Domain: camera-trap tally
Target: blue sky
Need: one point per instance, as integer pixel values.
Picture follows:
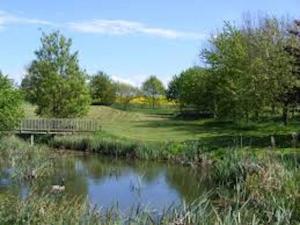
(127, 39)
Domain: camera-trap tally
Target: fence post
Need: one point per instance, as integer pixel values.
(32, 139)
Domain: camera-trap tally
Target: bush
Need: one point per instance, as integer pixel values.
(10, 105)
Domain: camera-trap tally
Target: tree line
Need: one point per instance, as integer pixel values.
(248, 70)
(105, 91)
(57, 85)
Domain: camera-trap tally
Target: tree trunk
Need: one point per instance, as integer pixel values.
(285, 112)
(293, 112)
(247, 117)
(256, 114)
(215, 109)
(153, 103)
(273, 109)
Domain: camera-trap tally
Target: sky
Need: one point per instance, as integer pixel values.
(129, 40)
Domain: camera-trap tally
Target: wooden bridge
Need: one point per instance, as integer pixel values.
(57, 126)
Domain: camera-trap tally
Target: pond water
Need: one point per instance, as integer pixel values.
(110, 182)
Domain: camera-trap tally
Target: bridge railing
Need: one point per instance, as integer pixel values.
(58, 125)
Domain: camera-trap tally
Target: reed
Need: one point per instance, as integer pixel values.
(183, 152)
(24, 160)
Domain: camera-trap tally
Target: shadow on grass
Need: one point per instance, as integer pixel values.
(147, 110)
(196, 127)
(219, 134)
(230, 141)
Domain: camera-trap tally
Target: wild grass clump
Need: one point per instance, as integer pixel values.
(266, 186)
(25, 161)
(109, 145)
(46, 209)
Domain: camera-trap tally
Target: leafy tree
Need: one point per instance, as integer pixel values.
(126, 93)
(196, 89)
(54, 80)
(250, 66)
(103, 89)
(193, 87)
(173, 90)
(153, 88)
(27, 89)
(10, 104)
(275, 69)
(292, 97)
(277, 66)
(229, 63)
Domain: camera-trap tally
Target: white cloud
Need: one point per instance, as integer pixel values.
(111, 27)
(124, 80)
(124, 27)
(8, 19)
(137, 80)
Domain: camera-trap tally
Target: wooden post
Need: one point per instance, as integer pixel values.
(32, 139)
(273, 142)
(294, 139)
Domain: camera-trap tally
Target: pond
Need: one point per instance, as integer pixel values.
(109, 182)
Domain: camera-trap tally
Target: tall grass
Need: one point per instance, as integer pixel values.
(198, 152)
(46, 209)
(183, 152)
(25, 160)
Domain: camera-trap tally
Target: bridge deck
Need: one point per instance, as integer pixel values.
(57, 126)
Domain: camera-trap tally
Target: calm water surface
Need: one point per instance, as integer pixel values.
(109, 182)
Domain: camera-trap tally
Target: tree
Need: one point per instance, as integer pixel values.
(173, 90)
(103, 89)
(193, 88)
(10, 104)
(278, 64)
(292, 97)
(250, 67)
(229, 62)
(27, 89)
(153, 89)
(126, 93)
(54, 80)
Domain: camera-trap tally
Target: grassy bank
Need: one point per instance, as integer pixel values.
(195, 153)
(162, 125)
(249, 189)
(121, 147)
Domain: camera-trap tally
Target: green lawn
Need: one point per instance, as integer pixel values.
(162, 126)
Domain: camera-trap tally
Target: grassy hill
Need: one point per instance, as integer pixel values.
(162, 126)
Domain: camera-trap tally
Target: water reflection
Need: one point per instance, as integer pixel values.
(108, 182)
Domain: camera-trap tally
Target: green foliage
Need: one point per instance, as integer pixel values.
(10, 104)
(153, 88)
(291, 98)
(103, 89)
(55, 82)
(173, 90)
(126, 93)
(193, 88)
(250, 67)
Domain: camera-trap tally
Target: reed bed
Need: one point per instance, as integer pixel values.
(183, 152)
